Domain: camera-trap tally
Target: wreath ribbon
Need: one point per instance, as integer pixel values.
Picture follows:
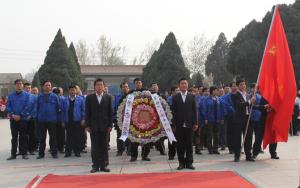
(163, 118)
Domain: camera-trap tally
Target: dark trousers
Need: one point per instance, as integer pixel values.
(272, 149)
(32, 140)
(134, 150)
(237, 130)
(60, 136)
(172, 149)
(293, 128)
(196, 139)
(202, 138)
(120, 143)
(51, 128)
(184, 137)
(160, 146)
(212, 140)
(82, 138)
(72, 141)
(223, 134)
(229, 133)
(258, 129)
(19, 136)
(99, 149)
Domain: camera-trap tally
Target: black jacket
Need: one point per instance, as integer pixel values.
(184, 112)
(240, 106)
(98, 116)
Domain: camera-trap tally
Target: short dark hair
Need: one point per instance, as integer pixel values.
(18, 80)
(56, 90)
(98, 80)
(240, 81)
(253, 85)
(27, 84)
(204, 89)
(173, 88)
(136, 80)
(72, 87)
(231, 84)
(45, 82)
(123, 83)
(212, 88)
(182, 79)
(152, 83)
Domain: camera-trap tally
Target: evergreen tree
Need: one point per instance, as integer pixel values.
(246, 50)
(59, 66)
(76, 71)
(216, 61)
(166, 66)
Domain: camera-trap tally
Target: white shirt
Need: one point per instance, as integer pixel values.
(99, 97)
(244, 94)
(183, 96)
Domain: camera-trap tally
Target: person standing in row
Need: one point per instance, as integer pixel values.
(98, 116)
(48, 114)
(17, 109)
(32, 140)
(213, 119)
(241, 102)
(184, 123)
(118, 100)
(73, 110)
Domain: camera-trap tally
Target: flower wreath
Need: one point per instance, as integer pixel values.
(145, 125)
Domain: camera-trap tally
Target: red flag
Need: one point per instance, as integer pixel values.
(277, 83)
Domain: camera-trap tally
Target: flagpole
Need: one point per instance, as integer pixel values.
(255, 91)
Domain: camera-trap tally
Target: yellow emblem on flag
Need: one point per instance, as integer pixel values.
(273, 50)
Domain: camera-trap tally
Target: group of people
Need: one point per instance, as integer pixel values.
(214, 118)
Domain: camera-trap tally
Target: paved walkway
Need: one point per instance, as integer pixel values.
(263, 173)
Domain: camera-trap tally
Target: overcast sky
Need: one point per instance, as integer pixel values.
(29, 26)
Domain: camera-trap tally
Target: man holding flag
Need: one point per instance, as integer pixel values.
(277, 84)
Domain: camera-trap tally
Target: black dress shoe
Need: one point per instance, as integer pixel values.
(274, 157)
(12, 157)
(223, 148)
(146, 159)
(40, 157)
(216, 152)
(180, 167)
(198, 152)
(54, 156)
(31, 153)
(84, 151)
(104, 169)
(190, 166)
(162, 153)
(210, 152)
(254, 156)
(132, 159)
(77, 155)
(237, 159)
(171, 158)
(94, 170)
(67, 155)
(250, 159)
(25, 157)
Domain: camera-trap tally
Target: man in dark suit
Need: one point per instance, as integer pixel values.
(241, 103)
(184, 122)
(99, 124)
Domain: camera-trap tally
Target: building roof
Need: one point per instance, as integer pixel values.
(111, 69)
(9, 78)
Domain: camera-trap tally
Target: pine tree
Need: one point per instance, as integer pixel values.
(76, 71)
(59, 66)
(216, 61)
(166, 66)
